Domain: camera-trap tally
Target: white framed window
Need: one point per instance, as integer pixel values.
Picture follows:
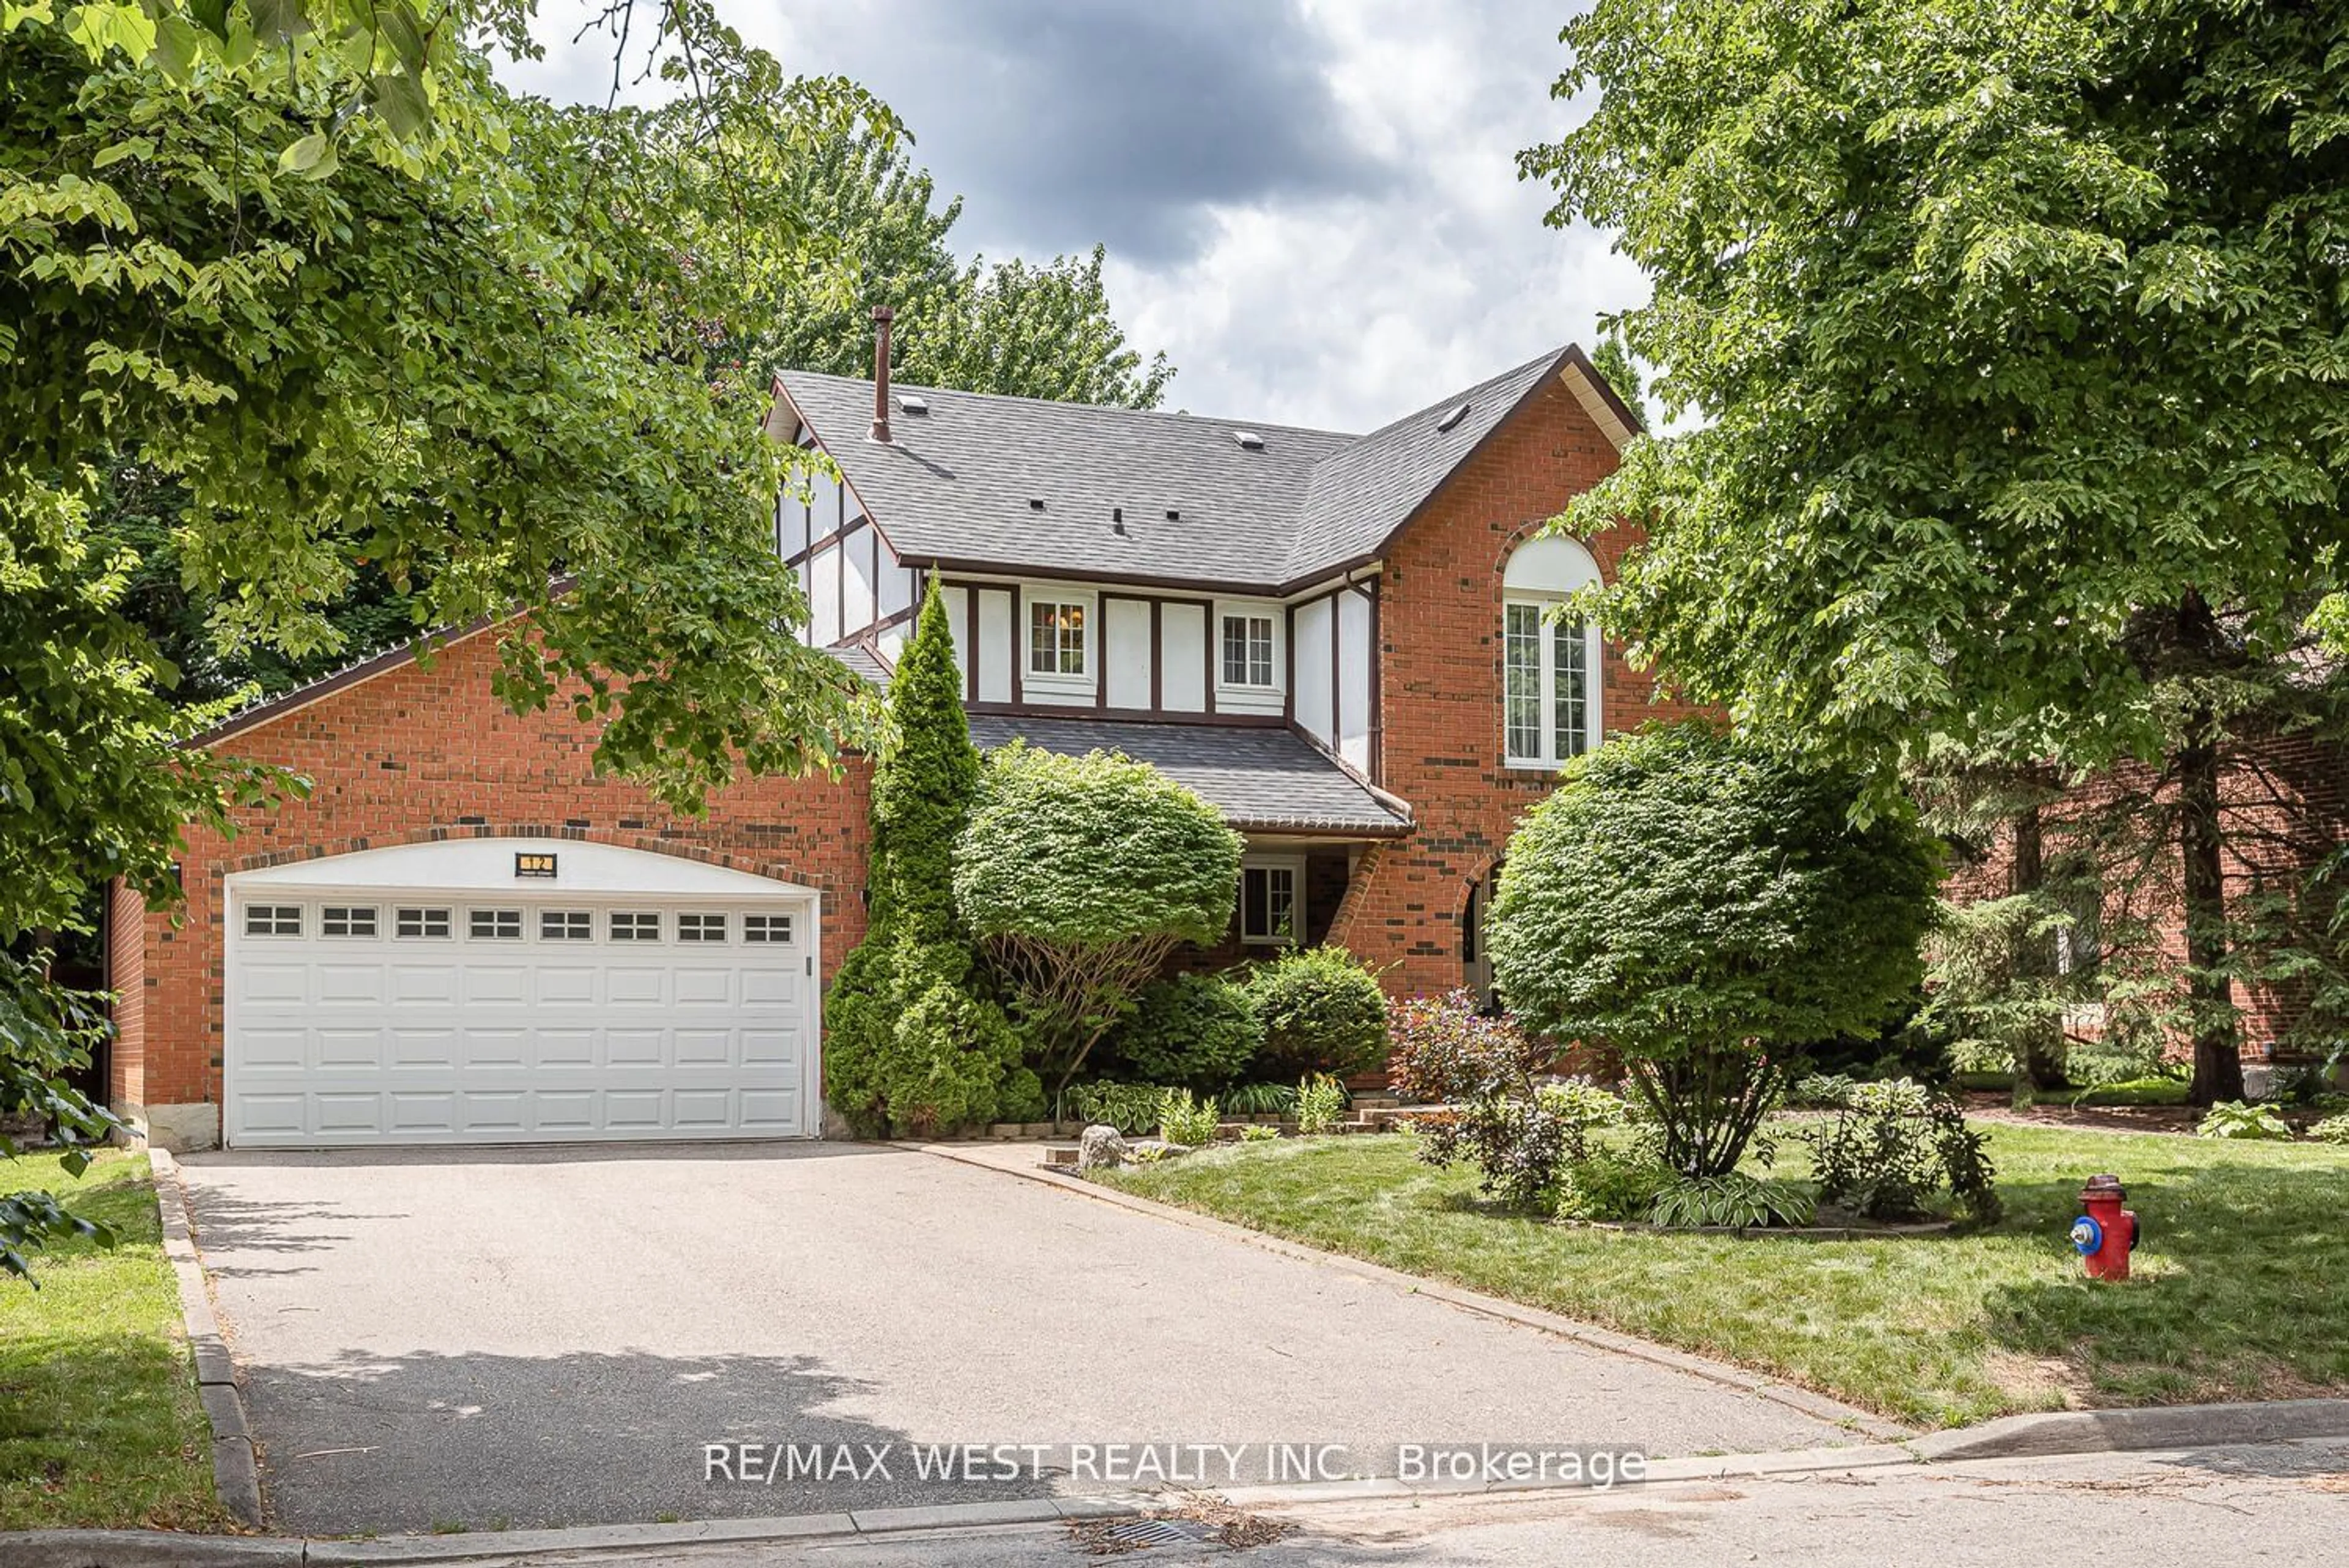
(1550, 661)
(1060, 638)
(1248, 645)
(766, 928)
(493, 925)
(272, 919)
(1272, 899)
(693, 928)
(347, 920)
(428, 924)
(636, 926)
(565, 926)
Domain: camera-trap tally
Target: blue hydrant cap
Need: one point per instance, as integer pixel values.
(2086, 1235)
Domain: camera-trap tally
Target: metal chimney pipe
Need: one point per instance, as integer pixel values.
(882, 317)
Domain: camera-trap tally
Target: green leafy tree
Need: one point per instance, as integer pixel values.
(368, 311)
(1028, 331)
(1081, 875)
(1704, 906)
(914, 1043)
(2015, 332)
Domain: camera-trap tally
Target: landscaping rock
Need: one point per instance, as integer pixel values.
(1100, 1147)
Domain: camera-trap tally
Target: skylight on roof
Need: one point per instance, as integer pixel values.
(1453, 416)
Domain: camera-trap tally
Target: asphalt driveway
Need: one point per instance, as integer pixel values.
(531, 1338)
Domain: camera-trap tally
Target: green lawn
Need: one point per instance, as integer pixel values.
(2241, 1287)
(100, 1422)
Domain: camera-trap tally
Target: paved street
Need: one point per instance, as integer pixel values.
(2281, 1503)
(536, 1337)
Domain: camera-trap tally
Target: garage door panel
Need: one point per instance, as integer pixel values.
(413, 1113)
(633, 1047)
(422, 1047)
(263, 983)
(347, 1113)
(497, 1047)
(416, 1035)
(766, 1108)
(567, 1047)
(566, 986)
(359, 1047)
(424, 984)
(769, 1047)
(701, 1110)
(634, 1110)
(275, 1049)
(705, 987)
(704, 1047)
(494, 984)
(495, 1111)
(635, 987)
(567, 1111)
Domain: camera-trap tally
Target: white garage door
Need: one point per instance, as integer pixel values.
(503, 990)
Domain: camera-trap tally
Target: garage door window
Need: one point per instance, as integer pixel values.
(493, 925)
(766, 928)
(347, 920)
(701, 928)
(565, 926)
(273, 920)
(419, 922)
(636, 926)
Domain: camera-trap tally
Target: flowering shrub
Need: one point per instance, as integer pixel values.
(1443, 1049)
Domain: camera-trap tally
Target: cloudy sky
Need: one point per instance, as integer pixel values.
(1311, 205)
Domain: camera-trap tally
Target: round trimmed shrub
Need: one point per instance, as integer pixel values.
(1196, 1030)
(1322, 1013)
(1703, 906)
(1081, 875)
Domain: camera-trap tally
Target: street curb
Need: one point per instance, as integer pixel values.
(1819, 1406)
(236, 1467)
(2177, 1427)
(2120, 1431)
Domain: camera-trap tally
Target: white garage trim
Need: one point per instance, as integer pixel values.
(451, 992)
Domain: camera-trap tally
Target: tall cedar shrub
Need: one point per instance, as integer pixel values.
(914, 1042)
(1322, 1013)
(1706, 907)
(1081, 875)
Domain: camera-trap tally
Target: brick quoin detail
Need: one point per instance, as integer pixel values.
(1440, 686)
(417, 754)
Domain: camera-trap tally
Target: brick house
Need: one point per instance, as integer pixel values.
(1340, 640)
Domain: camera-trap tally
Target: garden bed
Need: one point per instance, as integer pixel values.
(2237, 1295)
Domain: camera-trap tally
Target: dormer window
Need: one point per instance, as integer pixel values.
(1057, 638)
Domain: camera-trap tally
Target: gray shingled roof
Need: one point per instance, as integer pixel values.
(1262, 779)
(957, 484)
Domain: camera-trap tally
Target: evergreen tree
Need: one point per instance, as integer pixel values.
(914, 1043)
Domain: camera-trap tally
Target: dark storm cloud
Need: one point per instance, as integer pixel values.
(1070, 121)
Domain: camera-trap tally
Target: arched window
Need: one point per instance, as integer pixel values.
(1549, 665)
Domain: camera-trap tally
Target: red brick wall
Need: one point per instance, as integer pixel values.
(417, 754)
(1440, 687)
(126, 966)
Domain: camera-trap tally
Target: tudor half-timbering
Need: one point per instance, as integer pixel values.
(1342, 641)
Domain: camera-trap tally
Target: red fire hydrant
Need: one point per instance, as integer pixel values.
(2106, 1234)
